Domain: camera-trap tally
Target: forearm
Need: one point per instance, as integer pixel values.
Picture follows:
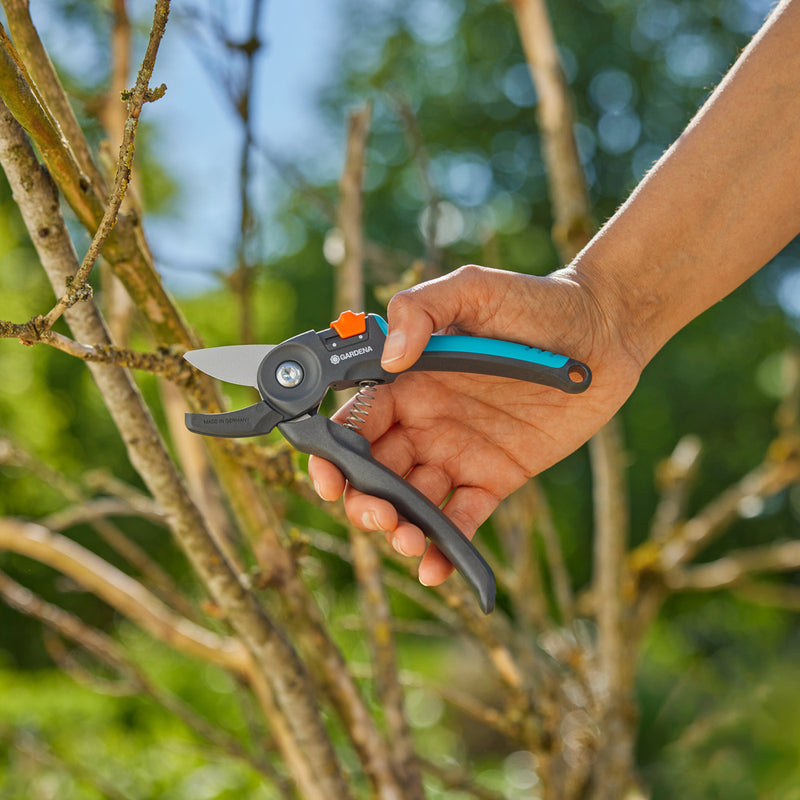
(719, 204)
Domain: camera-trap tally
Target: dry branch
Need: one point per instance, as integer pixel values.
(377, 617)
(736, 567)
(572, 229)
(349, 274)
(688, 539)
(272, 653)
(675, 476)
(53, 97)
(119, 590)
(573, 224)
(405, 776)
(611, 536)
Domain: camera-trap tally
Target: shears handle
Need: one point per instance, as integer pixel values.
(350, 452)
(481, 356)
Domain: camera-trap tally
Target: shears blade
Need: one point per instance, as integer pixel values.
(236, 363)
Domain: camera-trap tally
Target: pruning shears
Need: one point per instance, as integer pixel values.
(294, 376)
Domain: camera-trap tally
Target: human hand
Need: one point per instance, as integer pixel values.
(473, 439)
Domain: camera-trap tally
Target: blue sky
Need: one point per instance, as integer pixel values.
(200, 144)
(195, 137)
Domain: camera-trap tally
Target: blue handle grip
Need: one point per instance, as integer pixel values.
(476, 354)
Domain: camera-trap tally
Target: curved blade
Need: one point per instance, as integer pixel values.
(236, 363)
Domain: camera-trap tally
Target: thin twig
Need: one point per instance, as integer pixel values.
(715, 518)
(674, 477)
(737, 566)
(377, 617)
(419, 152)
(165, 362)
(122, 592)
(77, 288)
(514, 521)
(96, 509)
(244, 276)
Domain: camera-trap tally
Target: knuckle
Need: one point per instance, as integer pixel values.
(469, 274)
(399, 303)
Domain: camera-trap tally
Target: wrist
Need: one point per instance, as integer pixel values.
(627, 321)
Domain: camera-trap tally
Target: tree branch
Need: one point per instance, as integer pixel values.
(164, 362)
(573, 225)
(136, 98)
(378, 620)
(119, 590)
(611, 536)
(53, 97)
(273, 655)
(736, 567)
(780, 469)
(674, 477)
(242, 279)
(349, 273)
(514, 519)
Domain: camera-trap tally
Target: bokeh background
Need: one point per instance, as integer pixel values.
(453, 140)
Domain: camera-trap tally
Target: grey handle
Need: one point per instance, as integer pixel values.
(350, 452)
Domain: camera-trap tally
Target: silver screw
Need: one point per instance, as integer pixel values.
(289, 374)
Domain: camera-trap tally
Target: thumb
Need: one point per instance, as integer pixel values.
(416, 313)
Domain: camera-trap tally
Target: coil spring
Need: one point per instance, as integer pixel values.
(362, 403)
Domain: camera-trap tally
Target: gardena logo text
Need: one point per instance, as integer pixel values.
(335, 359)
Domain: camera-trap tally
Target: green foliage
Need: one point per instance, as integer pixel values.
(61, 739)
(716, 687)
(719, 721)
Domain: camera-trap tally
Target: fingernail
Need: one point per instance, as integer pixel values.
(394, 348)
(317, 489)
(422, 580)
(396, 544)
(369, 520)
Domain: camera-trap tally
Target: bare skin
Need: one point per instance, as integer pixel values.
(719, 204)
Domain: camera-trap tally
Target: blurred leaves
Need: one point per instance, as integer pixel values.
(718, 696)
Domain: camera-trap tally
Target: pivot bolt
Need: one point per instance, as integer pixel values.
(289, 374)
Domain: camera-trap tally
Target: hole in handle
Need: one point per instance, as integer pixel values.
(578, 373)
